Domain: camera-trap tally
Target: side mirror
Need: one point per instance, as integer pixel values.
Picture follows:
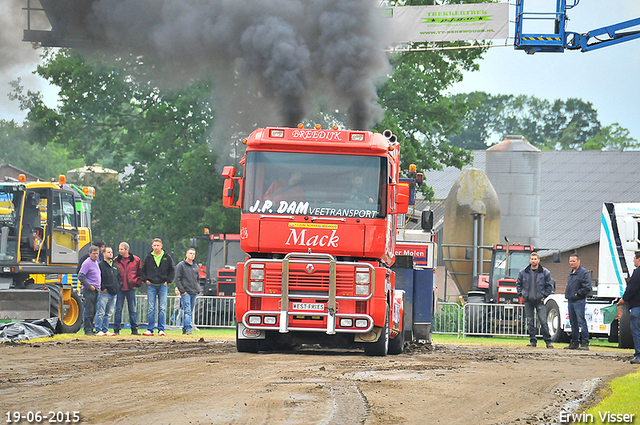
(427, 220)
(228, 171)
(402, 199)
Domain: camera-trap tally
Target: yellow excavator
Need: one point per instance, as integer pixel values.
(43, 227)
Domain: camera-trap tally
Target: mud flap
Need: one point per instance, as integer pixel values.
(246, 333)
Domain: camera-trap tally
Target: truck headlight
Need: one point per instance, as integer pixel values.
(256, 286)
(257, 274)
(362, 277)
(362, 289)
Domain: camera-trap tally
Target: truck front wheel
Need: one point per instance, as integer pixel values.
(553, 321)
(381, 346)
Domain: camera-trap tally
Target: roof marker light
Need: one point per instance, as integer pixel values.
(356, 137)
(276, 133)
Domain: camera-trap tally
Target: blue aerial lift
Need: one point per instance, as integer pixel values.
(559, 39)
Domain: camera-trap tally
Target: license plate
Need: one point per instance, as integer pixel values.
(307, 306)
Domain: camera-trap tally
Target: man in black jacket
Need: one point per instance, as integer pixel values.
(578, 287)
(534, 284)
(631, 297)
(107, 297)
(157, 272)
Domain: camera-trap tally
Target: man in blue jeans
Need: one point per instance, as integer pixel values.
(130, 268)
(578, 287)
(188, 284)
(110, 276)
(631, 297)
(157, 272)
(534, 284)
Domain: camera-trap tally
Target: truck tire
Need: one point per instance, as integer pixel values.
(625, 339)
(72, 321)
(381, 346)
(247, 345)
(396, 345)
(553, 321)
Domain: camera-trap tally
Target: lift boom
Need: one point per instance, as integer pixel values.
(559, 39)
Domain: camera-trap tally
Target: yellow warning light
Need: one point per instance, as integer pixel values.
(318, 127)
(335, 127)
(62, 179)
(244, 141)
(206, 230)
(22, 178)
(300, 126)
(412, 168)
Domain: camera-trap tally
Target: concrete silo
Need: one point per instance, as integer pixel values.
(472, 218)
(514, 168)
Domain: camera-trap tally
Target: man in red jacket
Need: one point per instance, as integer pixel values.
(130, 268)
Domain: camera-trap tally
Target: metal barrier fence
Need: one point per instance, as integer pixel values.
(480, 319)
(209, 312)
(448, 319)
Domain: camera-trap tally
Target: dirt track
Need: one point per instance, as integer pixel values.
(165, 381)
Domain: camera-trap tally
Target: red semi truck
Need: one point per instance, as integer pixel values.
(319, 212)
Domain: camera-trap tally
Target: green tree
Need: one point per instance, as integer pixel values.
(46, 161)
(417, 108)
(158, 139)
(561, 124)
(611, 138)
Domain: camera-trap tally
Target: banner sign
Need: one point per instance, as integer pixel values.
(480, 21)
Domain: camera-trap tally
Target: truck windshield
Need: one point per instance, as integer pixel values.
(224, 253)
(315, 184)
(9, 202)
(518, 260)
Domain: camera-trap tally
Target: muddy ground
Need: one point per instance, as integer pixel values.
(172, 381)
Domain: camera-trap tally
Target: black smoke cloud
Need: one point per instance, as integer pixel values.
(286, 53)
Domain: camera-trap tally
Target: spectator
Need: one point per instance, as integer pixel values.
(534, 284)
(578, 287)
(100, 244)
(110, 276)
(157, 272)
(178, 314)
(90, 278)
(130, 268)
(631, 297)
(188, 284)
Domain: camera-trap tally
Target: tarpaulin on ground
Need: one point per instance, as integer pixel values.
(24, 331)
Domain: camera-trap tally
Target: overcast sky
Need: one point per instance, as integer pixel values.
(608, 77)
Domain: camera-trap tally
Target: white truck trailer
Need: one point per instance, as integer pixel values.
(619, 240)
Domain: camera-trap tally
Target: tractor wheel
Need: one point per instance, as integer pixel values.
(72, 321)
(553, 322)
(381, 346)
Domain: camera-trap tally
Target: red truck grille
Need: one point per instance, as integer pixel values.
(302, 282)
